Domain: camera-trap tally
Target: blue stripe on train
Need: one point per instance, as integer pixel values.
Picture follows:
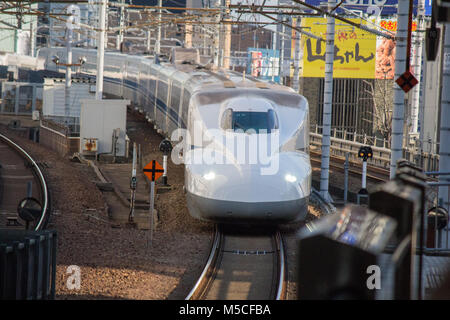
(173, 115)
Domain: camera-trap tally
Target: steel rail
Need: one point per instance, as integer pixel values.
(42, 181)
(201, 287)
(281, 289)
(203, 281)
(326, 206)
(337, 162)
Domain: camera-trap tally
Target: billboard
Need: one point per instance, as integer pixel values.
(375, 7)
(263, 63)
(354, 50)
(385, 58)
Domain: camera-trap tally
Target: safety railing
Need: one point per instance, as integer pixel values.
(28, 265)
(343, 142)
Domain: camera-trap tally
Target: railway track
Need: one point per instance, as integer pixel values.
(247, 265)
(20, 177)
(337, 163)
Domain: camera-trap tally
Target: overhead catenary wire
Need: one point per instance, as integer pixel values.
(255, 8)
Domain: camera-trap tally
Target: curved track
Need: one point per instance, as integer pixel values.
(325, 206)
(18, 170)
(247, 265)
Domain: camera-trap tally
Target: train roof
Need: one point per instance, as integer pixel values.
(193, 75)
(208, 78)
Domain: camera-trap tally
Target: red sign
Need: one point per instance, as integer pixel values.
(153, 170)
(406, 81)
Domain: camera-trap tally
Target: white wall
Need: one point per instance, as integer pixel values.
(429, 119)
(54, 97)
(98, 120)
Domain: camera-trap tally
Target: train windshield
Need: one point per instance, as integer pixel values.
(249, 120)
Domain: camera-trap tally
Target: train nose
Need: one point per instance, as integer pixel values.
(244, 192)
(250, 185)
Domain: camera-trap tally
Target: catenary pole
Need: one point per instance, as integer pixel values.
(158, 33)
(101, 50)
(281, 72)
(295, 76)
(217, 37)
(444, 146)
(227, 38)
(327, 105)
(417, 65)
(68, 71)
(399, 94)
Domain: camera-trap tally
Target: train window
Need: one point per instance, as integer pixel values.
(185, 106)
(249, 120)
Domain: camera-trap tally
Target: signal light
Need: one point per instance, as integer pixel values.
(441, 10)
(432, 42)
(365, 152)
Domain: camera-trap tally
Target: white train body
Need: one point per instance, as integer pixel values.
(232, 174)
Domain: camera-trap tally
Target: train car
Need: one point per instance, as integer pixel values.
(244, 142)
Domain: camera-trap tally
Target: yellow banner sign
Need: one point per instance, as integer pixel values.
(354, 50)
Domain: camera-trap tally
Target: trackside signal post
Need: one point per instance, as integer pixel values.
(165, 147)
(364, 153)
(153, 171)
(133, 185)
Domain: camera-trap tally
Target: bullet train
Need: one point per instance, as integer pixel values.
(244, 142)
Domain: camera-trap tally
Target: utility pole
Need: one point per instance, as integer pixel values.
(283, 30)
(204, 44)
(73, 22)
(68, 84)
(121, 24)
(444, 146)
(295, 76)
(227, 40)
(50, 25)
(149, 34)
(33, 34)
(101, 49)
(158, 34)
(92, 12)
(417, 64)
(327, 105)
(188, 35)
(217, 36)
(399, 94)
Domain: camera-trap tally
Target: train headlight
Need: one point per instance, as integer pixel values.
(290, 178)
(209, 176)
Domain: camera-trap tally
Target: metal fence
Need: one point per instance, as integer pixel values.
(27, 264)
(60, 137)
(20, 97)
(69, 126)
(352, 105)
(343, 142)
